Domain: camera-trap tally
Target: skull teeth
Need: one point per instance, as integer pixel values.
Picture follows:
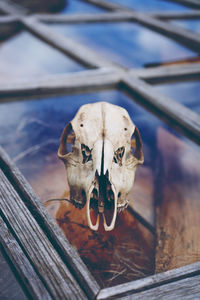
(121, 208)
(112, 224)
(90, 224)
(93, 202)
(79, 205)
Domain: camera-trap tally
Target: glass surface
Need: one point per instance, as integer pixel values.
(125, 43)
(150, 5)
(192, 25)
(78, 6)
(30, 132)
(58, 6)
(25, 56)
(187, 93)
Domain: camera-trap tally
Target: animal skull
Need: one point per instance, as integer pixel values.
(101, 167)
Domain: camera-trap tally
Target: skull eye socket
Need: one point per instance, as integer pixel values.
(67, 141)
(118, 155)
(136, 146)
(86, 153)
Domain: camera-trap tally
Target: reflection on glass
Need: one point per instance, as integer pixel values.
(186, 93)
(58, 6)
(78, 6)
(126, 43)
(24, 56)
(31, 136)
(192, 25)
(150, 5)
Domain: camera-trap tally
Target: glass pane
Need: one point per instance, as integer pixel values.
(24, 56)
(126, 43)
(30, 132)
(78, 6)
(186, 93)
(192, 25)
(58, 6)
(150, 5)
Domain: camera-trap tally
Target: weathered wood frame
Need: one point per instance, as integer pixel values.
(104, 74)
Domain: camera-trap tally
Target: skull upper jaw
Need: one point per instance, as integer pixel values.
(105, 194)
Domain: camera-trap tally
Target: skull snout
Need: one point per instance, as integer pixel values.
(102, 195)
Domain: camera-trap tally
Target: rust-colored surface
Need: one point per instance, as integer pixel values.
(178, 213)
(115, 257)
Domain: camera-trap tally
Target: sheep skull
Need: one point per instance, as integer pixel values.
(101, 167)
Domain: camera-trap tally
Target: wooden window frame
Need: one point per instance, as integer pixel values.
(103, 74)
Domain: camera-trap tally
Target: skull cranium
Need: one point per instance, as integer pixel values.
(101, 167)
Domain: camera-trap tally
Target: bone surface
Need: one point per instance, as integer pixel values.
(101, 166)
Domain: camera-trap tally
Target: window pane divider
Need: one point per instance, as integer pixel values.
(104, 74)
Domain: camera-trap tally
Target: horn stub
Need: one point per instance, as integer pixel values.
(62, 150)
(138, 149)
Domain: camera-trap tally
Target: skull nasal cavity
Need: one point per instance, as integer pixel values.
(118, 155)
(86, 153)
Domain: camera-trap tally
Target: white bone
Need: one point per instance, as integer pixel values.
(96, 163)
(112, 224)
(108, 151)
(93, 227)
(97, 155)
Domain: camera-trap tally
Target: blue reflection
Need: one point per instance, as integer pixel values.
(192, 25)
(125, 43)
(186, 93)
(25, 56)
(150, 5)
(78, 6)
(31, 132)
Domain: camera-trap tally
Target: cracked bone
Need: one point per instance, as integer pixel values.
(101, 166)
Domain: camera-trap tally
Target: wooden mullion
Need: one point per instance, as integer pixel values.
(150, 282)
(68, 254)
(181, 35)
(53, 273)
(114, 16)
(179, 15)
(31, 282)
(189, 39)
(187, 289)
(8, 7)
(112, 6)
(66, 45)
(175, 111)
(85, 18)
(168, 73)
(8, 19)
(69, 83)
(107, 5)
(101, 78)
